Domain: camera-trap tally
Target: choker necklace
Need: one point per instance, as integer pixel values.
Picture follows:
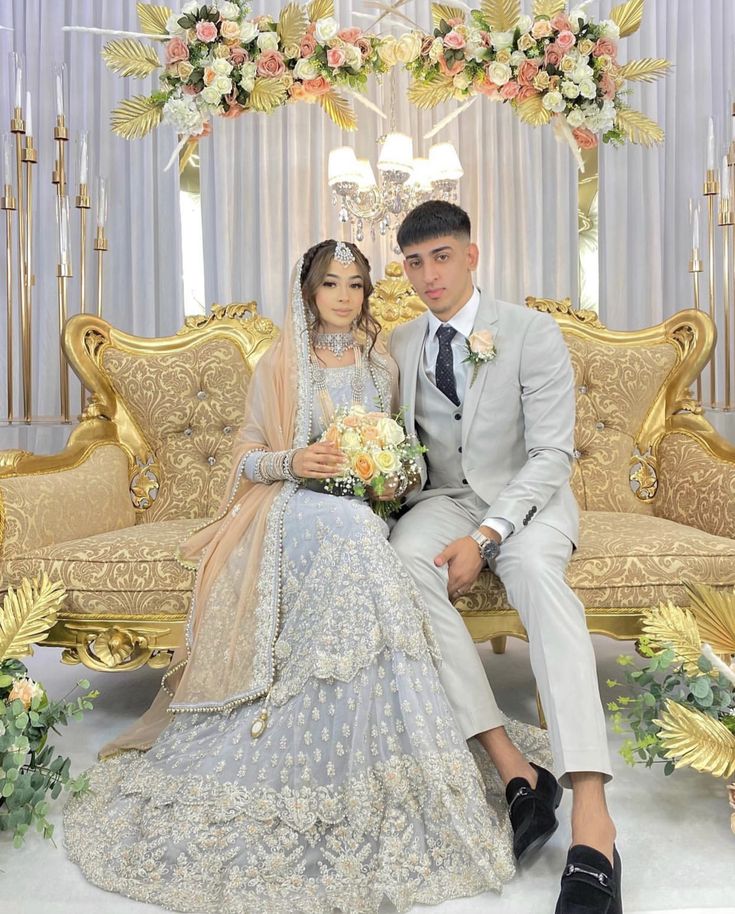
(337, 343)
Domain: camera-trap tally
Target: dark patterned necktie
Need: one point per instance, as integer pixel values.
(444, 371)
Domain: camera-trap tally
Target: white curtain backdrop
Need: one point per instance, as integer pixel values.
(143, 290)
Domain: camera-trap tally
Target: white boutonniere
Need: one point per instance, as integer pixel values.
(480, 349)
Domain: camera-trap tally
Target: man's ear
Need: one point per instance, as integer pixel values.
(473, 255)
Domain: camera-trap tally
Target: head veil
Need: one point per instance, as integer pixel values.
(234, 613)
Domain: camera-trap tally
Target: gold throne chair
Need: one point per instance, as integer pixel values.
(148, 462)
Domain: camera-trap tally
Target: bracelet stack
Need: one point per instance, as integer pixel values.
(275, 466)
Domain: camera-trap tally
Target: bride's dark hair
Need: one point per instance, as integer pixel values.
(316, 266)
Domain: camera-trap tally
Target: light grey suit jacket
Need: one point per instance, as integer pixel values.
(517, 418)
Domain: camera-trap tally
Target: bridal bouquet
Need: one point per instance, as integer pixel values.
(379, 454)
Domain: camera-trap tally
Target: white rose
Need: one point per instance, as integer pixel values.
(248, 31)
(326, 29)
(305, 69)
(211, 95)
(173, 27)
(578, 13)
(569, 89)
(268, 41)
(499, 73)
(517, 58)
(575, 118)
(247, 85)
(554, 101)
(228, 10)
(581, 72)
(387, 461)
(502, 40)
(610, 29)
(436, 50)
(221, 66)
(390, 431)
(524, 24)
(351, 440)
(587, 88)
(353, 56)
(191, 6)
(223, 84)
(183, 113)
(462, 81)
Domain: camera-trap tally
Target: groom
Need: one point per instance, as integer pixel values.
(498, 423)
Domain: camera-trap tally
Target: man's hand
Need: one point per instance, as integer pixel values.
(465, 562)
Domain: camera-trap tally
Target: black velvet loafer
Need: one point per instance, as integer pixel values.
(589, 883)
(532, 812)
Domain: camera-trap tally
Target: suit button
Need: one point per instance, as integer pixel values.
(459, 449)
(464, 482)
(458, 416)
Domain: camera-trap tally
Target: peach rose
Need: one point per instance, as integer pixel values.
(525, 43)
(229, 30)
(553, 55)
(176, 49)
(585, 138)
(454, 41)
(541, 29)
(332, 435)
(527, 72)
(350, 35)
(370, 433)
(485, 87)
(299, 94)
(364, 466)
(308, 45)
(605, 46)
(270, 63)
(509, 90)
(235, 109)
(363, 44)
(238, 56)
(25, 690)
(335, 57)
(317, 86)
(456, 67)
(561, 23)
(209, 76)
(608, 86)
(526, 92)
(565, 41)
(206, 32)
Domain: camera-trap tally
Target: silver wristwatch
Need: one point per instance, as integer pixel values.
(489, 548)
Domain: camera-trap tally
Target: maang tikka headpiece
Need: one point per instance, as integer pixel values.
(343, 254)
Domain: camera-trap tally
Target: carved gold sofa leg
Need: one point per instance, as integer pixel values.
(499, 643)
(113, 648)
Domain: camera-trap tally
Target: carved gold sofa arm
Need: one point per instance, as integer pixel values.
(696, 469)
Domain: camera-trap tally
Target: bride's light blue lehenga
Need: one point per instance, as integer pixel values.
(361, 787)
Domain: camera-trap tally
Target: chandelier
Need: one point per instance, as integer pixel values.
(405, 182)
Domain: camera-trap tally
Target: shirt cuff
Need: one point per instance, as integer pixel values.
(500, 525)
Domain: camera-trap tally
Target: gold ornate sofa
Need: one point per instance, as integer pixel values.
(655, 482)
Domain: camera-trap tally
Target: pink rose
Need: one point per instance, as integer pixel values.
(206, 31)
(553, 55)
(454, 41)
(350, 35)
(510, 90)
(527, 92)
(176, 49)
(270, 63)
(318, 86)
(605, 46)
(541, 29)
(458, 20)
(365, 47)
(585, 138)
(527, 72)
(308, 46)
(608, 86)
(238, 56)
(565, 41)
(456, 67)
(561, 23)
(488, 88)
(335, 57)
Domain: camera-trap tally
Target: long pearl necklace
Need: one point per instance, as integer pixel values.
(319, 377)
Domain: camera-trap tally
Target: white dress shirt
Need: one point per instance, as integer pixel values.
(463, 322)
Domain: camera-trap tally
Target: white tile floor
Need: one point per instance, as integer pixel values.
(674, 837)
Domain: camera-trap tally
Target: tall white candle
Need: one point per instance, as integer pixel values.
(7, 160)
(29, 115)
(101, 202)
(695, 228)
(17, 66)
(63, 211)
(60, 90)
(82, 173)
(711, 145)
(725, 181)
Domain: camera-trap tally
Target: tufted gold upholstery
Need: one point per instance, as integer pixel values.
(655, 483)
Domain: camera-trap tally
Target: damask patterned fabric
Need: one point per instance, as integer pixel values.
(47, 508)
(189, 405)
(616, 386)
(128, 572)
(695, 487)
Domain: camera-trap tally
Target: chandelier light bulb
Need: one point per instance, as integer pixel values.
(343, 167)
(444, 162)
(396, 154)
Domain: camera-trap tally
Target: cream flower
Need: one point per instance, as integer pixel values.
(408, 47)
(25, 690)
(575, 118)
(228, 10)
(268, 41)
(248, 31)
(221, 66)
(306, 69)
(502, 40)
(481, 343)
(610, 29)
(387, 461)
(211, 95)
(569, 89)
(436, 50)
(554, 101)
(499, 73)
(351, 440)
(524, 24)
(326, 29)
(390, 431)
(353, 57)
(173, 27)
(587, 88)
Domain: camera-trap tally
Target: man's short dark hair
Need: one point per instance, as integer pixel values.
(433, 219)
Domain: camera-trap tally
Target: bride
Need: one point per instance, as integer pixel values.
(302, 755)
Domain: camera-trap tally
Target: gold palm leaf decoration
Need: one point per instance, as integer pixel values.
(714, 611)
(670, 626)
(320, 9)
(647, 69)
(439, 11)
(27, 614)
(628, 16)
(269, 92)
(501, 15)
(137, 116)
(291, 25)
(638, 128)
(430, 92)
(130, 57)
(548, 8)
(531, 111)
(697, 740)
(339, 110)
(152, 18)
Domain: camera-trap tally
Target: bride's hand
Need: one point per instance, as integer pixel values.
(320, 460)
